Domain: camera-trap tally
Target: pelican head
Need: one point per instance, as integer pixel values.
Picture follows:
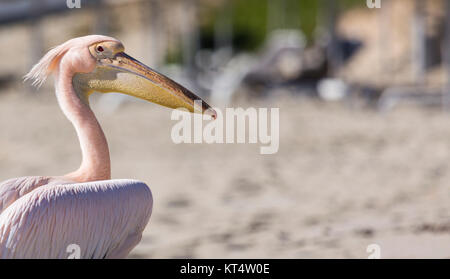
(99, 64)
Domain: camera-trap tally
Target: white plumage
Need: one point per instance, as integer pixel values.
(104, 218)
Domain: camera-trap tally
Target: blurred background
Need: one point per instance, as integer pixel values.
(364, 98)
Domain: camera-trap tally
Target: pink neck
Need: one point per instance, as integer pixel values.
(96, 164)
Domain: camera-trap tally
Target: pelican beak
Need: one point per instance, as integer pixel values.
(124, 74)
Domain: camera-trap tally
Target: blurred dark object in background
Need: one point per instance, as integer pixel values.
(330, 49)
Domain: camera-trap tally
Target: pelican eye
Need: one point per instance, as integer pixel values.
(100, 49)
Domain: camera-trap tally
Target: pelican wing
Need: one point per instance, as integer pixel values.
(13, 189)
(103, 219)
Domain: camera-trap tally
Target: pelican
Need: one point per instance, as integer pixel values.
(46, 216)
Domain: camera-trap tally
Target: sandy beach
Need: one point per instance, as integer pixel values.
(343, 178)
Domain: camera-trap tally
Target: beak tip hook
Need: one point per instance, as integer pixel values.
(211, 112)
